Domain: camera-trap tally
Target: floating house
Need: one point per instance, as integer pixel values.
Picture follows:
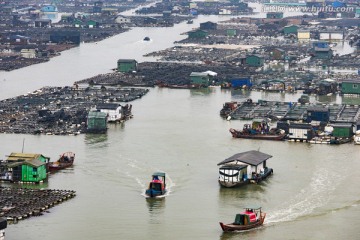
(331, 35)
(342, 130)
(243, 168)
(318, 113)
(96, 122)
(127, 65)
(254, 60)
(321, 50)
(113, 111)
(27, 167)
(301, 131)
(60, 36)
(290, 30)
(350, 86)
(303, 35)
(208, 26)
(197, 34)
(241, 82)
(3, 225)
(122, 19)
(201, 79)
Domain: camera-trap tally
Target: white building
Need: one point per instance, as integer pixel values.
(113, 110)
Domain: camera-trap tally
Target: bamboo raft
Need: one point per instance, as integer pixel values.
(21, 203)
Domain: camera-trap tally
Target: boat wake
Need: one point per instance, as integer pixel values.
(316, 195)
(142, 176)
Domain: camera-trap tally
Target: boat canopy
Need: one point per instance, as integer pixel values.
(252, 157)
(161, 174)
(233, 167)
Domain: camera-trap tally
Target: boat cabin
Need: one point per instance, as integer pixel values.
(157, 186)
(243, 168)
(249, 216)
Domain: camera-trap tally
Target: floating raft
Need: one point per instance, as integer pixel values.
(21, 203)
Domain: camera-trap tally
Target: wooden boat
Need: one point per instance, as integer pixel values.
(157, 186)
(259, 129)
(66, 160)
(243, 168)
(146, 39)
(250, 218)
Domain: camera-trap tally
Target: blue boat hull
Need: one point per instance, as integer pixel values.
(154, 193)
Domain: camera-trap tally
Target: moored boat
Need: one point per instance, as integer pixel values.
(157, 186)
(258, 130)
(248, 219)
(243, 168)
(66, 160)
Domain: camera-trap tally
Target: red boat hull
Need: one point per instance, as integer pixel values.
(235, 227)
(239, 134)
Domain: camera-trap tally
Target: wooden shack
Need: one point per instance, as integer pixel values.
(27, 167)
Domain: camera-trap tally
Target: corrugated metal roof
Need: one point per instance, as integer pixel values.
(97, 115)
(23, 156)
(33, 163)
(253, 158)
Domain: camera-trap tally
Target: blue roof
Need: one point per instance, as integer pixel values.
(49, 8)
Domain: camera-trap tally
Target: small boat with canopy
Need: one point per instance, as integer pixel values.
(251, 217)
(157, 186)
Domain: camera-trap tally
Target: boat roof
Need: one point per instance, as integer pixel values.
(234, 166)
(253, 207)
(252, 157)
(161, 174)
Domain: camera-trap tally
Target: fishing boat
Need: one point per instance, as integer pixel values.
(157, 186)
(243, 168)
(248, 219)
(66, 160)
(259, 129)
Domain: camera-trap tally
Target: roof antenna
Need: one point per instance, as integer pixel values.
(22, 150)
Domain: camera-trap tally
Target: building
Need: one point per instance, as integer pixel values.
(60, 36)
(321, 50)
(301, 131)
(331, 35)
(291, 30)
(275, 15)
(208, 26)
(342, 130)
(3, 225)
(28, 53)
(122, 19)
(254, 60)
(98, 5)
(318, 113)
(277, 54)
(350, 86)
(197, 34)
(27, 167)
(303, 35)
(40, 23)
(92, 24)
(200, 79)
(240, 82)
(113, 111)
(96, 122)
(127, 65)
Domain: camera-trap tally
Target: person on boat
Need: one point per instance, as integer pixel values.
(156, 179)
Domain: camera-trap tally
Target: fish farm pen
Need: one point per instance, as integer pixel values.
(292, 111)
(21, 203)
